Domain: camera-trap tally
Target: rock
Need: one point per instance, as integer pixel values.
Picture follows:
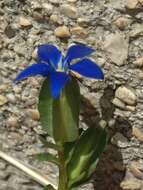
(54, 1)
(4, 175)
(131, 4)
(69, 11)
(12, 122)
(10, 32)
(20, 49)
(48, 8)
(34, 114)
(139, 62)
(78, 31)
(117, 48)
(72, 1)
(34, 54)
(3, 88)
(54, 18)
(135, 169)
(83, 22)
(119, 140)
(62, 32)
(130, 108)
(11, 98)
(126, 95)
(121, 22)
(3, 100)
(137, 133)
(36, 5)
(118, 103)
(131, 184)
(141, 1)
(137, 30)
(24, 21)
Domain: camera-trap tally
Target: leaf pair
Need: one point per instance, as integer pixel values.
(85, 155)
(60, 116)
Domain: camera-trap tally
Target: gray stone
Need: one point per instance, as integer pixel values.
(126, 95)
(62, 32)
(118, 103)
(116, 45)
(119, 140)
(132, 184)
(3, 100)
(69, 11)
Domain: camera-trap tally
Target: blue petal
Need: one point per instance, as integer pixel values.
(57, 82)
(32, 70)
(50, 54)
(87, 68)
(78, 51)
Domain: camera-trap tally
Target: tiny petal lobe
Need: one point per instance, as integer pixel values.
(88, 68)
(78, 51)
(50, 54)
(33, 70)
(57, 82)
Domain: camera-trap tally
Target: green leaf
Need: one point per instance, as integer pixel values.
(86, 155)
(45, 107)
(60, 117)
(49, 144)
(49, 187)
(47, 157)
(68, 151)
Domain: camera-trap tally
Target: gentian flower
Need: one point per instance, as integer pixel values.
(51, 63)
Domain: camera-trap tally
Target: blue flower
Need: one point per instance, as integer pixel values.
(51, 63)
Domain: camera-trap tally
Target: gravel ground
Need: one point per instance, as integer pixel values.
(115, 30)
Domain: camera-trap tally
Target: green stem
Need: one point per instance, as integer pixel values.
(62, 171)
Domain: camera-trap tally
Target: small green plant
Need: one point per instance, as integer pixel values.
(59, 107)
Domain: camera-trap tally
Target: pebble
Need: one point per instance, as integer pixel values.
(72, 1)
(54, 18)
(3, 100)
(141, 1)
(131, 184)
(11, 98)
(10, 32)
(137, 30)
(131, 4)
(137, 133)
(119, 140)
(79, 31)
(24, 21)
(116, 45)
(126, 95)
(121, 23)
(34, 54)
(20, 49)
(139, 62)
(69, 11)
(4, 175)
(62, 32)
(135, 169)
(3, 87)
(48, 8)
(83, 21)
(12, 121)
(130, 108)
(118, 103)
(34, 114)
(54, 1)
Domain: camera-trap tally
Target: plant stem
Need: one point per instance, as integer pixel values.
(62, 171)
